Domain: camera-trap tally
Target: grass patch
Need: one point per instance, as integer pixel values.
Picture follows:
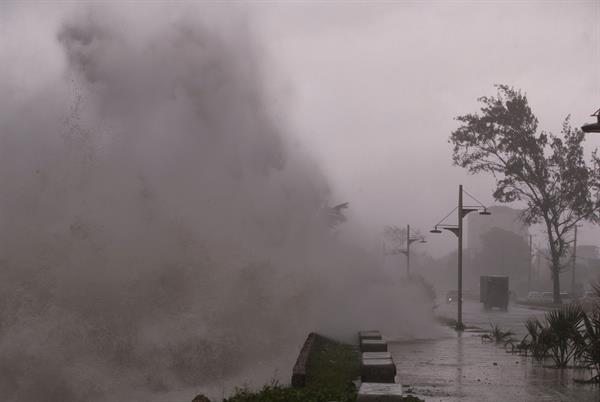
(332, 366)
(278, 393)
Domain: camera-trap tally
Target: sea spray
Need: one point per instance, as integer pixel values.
(156, 230)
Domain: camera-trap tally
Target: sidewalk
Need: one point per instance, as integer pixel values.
(462, 368)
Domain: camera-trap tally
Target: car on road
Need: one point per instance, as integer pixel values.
(566, 298)
(589, 300)
(547, 298)
(589, 294)
(452, 296)
(534, 297)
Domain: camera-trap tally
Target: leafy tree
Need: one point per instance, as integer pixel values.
(394, 237)
(547, 172)
(334, 216)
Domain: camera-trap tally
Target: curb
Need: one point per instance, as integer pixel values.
(299, 370)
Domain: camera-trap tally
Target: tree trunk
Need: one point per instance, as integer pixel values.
(555, 256)
(556, 280)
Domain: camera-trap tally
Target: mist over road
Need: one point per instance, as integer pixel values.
(475, 315)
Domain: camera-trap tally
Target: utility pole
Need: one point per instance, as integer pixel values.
(407, 250)
(574, 257)
(459, 324)
(529, 272)
(537, 271)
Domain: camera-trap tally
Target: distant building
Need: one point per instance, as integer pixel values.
(588, 258)
(502, 217)
(588, 252)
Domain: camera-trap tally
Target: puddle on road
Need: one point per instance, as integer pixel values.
(462, 368)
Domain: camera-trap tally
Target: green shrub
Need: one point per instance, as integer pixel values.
(278, 393)
(332, 366)
(588, 348)
(537, 339)
(498, 335)
(562, 333)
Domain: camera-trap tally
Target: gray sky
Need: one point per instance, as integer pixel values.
(140, 170)
(373, 89)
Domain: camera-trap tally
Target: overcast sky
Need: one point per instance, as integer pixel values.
(373, 90)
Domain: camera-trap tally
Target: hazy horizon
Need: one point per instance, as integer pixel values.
(373, 89)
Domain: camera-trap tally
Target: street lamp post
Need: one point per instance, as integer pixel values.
(574, 262)
(406, 252)
(586, 128)
(458, 231)
(529, 267)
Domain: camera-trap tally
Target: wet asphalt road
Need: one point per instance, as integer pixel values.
(460, 367)
(474, 315)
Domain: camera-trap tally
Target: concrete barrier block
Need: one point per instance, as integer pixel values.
(377, 392)
(378, 370)
(299, 370)
(376, 355)
(373, 345)
(369, 335)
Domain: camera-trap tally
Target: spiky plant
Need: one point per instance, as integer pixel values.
(523, 346)
(538, 339)
(563, 333)
(500, 336)
(588, 348)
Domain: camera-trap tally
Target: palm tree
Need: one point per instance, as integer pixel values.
(588, 348)
(588, 351)
(538, 343)
(564, 336)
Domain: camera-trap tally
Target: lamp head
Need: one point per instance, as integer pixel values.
(592, 127)
(435, 230)
(485, 212)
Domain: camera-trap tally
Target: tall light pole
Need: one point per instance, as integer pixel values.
(459, 323)
(458, 231)
(586, 128)
(406, 252)
(574, 258)
(529, 268)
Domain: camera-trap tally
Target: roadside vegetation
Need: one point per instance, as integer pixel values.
(568, 336)
(498, 335)
(279, 393)
(548, 172)
(332, 368)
